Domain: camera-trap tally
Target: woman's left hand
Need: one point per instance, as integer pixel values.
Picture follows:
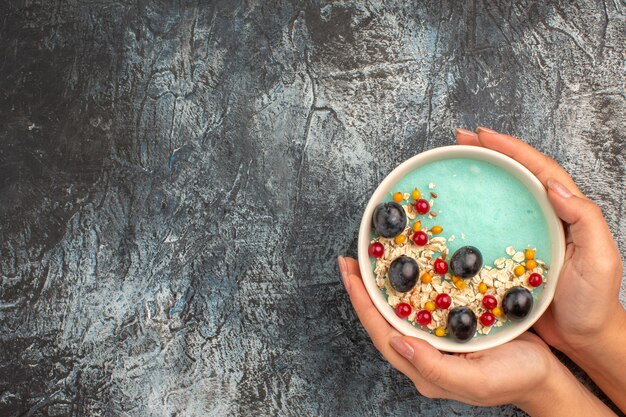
(523, 372)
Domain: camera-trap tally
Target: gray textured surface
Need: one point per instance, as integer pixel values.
(176, 181)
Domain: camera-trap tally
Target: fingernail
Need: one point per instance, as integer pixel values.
(559, 188)
(402, 347)
(465, 132)
(343, 268)
(484, 129)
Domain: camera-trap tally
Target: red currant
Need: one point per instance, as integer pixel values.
(421, 206)
(420, 238)
(376, 250)
(441, 267)
(403, 310)
(443, 301)
(490, 302)
(487, 319)
(424, 317)
(535, 280)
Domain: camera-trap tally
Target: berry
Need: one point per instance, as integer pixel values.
(490, 302)
(400, 239)
(462, 323)
(487, 319)
(529, 254)
(403, 310)
(497, 312)
(441, 267)
(482, 288)
(421, 206)
(426, 278)
(403, 273)
(440, 332)
(460, 284)
(417, 226)
(389, 219)
(376, 250)
(416, 194)
(531, 264)
(424, 317)
(429, 305)
(535, 280)
(443, 301)
(466, 261)
(519, 270)
(517, 303)
(436, 230)
(420, 238)
(397, 197)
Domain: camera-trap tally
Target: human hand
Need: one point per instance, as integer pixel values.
(586, 308)
(522, 371)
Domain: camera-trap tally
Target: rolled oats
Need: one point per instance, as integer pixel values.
(519, 257)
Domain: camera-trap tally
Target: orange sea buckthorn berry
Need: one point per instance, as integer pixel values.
(429, 305)
(436, 230)
(400, 239)
(426, 278)
(440, 332)
(417, 226)
(529, 254)
(497, 311)
(397, 197)
(482, 288)
(416, 194)
(531, 264)
(460, 284)
(519, 270)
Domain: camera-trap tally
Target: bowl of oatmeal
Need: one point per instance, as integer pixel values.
(460, 246)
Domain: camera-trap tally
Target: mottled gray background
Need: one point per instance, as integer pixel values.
(177, 179)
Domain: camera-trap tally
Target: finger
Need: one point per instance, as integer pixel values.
(381, 332)
(449, 372)
(539, 164)
(533, 338)
(352, 266)
(585, 219)
(373, 322)
(466, 137)
(546, 326)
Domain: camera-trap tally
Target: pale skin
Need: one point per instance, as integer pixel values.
(585, 321)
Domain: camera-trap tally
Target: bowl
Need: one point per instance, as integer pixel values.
(555, 233)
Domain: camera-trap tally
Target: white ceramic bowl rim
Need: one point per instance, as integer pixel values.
(555, 232)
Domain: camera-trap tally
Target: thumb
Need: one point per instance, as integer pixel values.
(584, 218)
(449, 372)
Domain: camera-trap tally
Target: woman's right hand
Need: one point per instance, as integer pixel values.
(586, 313)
